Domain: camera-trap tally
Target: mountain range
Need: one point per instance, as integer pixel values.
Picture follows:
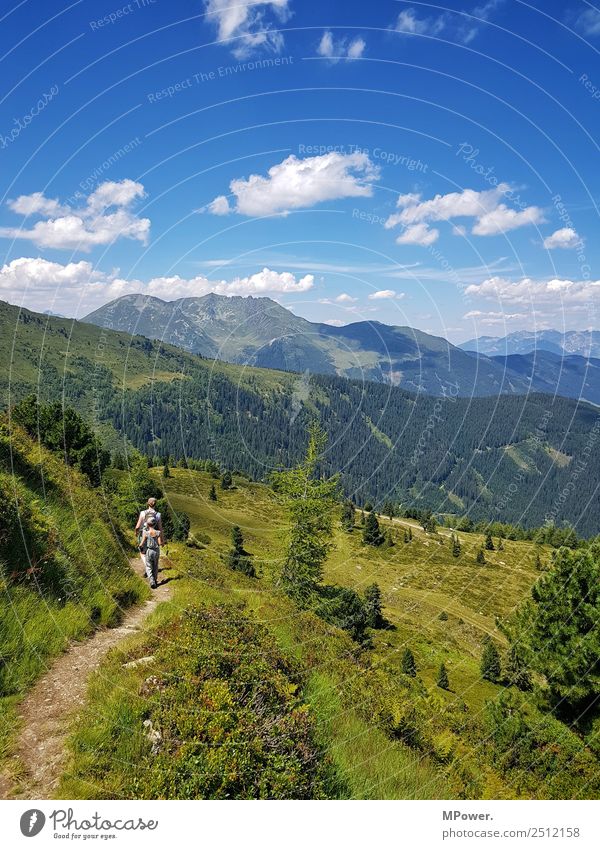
(260, 332)
(584, 343)
(510, 458)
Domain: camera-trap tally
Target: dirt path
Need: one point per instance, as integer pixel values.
(48, 708)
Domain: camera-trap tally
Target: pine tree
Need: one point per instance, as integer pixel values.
(406, 537)
(443, 616)
(310, 500)
(373, 604)
(238, 558)
(347, 520)
(409, 667)
(490, 661)
(517, 672)
(538, 563)
(166, 472)
(372, 532)
(480, 559)
(489, 543)
(212, 495)
(442, 678)
(226, 480)
(410, 534)
(500, 545)
(558, 629)
(455, 546)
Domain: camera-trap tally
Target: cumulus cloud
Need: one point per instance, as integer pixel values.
(334, 322)
(45, 284)
(36, 204)
(104, 218)
(418, 234)
(566, 238)
(345, 298)
(299, 184)
(555, 293)
(340, 49)
(246, 25)
(492, 216)
(383, 294)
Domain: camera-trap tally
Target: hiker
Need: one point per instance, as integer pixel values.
(150, 544)
(143, 518)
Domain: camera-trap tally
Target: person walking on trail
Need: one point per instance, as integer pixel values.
(144, 516)
(150, 544)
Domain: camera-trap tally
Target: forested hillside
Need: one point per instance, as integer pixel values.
(508, 458)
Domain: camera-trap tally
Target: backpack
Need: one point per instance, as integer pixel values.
(144, 526)
(150, 512)
(150, 542)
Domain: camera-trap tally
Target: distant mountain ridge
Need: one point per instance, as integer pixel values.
(583, 343)
(260, 332)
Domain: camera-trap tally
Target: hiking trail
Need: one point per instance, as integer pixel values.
(48, 709)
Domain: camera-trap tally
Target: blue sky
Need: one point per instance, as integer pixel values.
(432, 165)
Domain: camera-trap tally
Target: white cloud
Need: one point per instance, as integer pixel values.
(463, 28)
(219, 206)
(383, 294)
(409, 22)
(418, 234)
(345, 298)
(589, 22)
(340, 49)
(492, 216)
(36, 204)
(555, 294)
(325, 47)
(245, 24)
(105, 218)
(356, 48)
(334, 322)
(44, 284)
(566, 238)
(494, 318)
(503, 219)
(299, 184)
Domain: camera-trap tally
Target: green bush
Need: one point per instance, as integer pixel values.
(226, 706)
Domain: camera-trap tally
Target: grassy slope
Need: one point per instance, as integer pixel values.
(92, 580)
(419, 580)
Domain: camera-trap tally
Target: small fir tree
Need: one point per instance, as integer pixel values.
(238, 558)
(212, 494)
(373, 606)
(409, 667)
(489, 543)
(480, 559)
(372, 532)
(442, 678)
(348, 516)
(490, 662)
